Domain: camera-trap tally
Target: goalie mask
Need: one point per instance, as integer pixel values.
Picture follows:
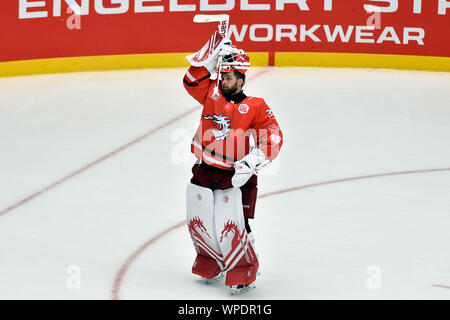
(239, 61)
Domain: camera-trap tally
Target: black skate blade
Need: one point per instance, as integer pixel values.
(238, 291)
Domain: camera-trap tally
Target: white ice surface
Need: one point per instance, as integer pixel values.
(326, 242)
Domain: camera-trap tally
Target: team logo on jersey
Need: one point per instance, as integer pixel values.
(243, 108)
(224, 123)
(269, 113)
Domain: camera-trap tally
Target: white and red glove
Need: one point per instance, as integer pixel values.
(248, 166)
(225, 50)
(208, 55)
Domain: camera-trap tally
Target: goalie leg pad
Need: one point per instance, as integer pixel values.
(239, 257)
(200, 219)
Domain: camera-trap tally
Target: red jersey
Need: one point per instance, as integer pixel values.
(223, 136)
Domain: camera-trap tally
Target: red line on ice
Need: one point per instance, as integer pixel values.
(95, 162)
(441, 286)
(379, 175)
(126, 265)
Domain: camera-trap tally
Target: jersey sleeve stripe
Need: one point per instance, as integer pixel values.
(189, 76)
(190, 84)
(194, 82)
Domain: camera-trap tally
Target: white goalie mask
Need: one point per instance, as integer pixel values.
(238, 61)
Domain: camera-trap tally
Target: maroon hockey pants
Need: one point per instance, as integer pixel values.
(215, 178)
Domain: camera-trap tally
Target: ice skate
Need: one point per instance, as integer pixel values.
(217, 278)
(242, 288)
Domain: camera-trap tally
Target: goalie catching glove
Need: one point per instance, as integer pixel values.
(248, 166)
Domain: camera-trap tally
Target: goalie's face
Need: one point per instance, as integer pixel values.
(230, 84)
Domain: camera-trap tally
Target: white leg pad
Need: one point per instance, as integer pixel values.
(230, 225)
(200, 218)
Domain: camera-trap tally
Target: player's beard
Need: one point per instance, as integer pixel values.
(230, 90)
